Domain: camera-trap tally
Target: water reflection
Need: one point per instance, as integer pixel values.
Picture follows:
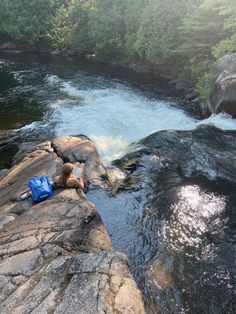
(192, 269)
(180, 239)
(191, 217)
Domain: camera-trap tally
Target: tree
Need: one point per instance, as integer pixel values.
(158, 34)
(133, 17)
(107, 27)
(34, 20)
(79, 19)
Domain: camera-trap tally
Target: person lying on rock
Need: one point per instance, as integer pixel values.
(68, 179)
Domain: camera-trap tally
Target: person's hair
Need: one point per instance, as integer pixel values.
(66, 172)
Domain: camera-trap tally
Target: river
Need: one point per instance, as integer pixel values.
(178, 240)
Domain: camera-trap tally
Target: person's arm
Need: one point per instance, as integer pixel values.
(81, 183)
(75, 183)
(56, 180)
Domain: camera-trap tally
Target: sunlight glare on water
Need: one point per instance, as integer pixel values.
(191, 217)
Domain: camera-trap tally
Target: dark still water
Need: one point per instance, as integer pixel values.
(179, 236)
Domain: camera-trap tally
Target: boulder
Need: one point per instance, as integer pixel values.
(223, 95)
(226, 63)
(47, 159)
(116, 178)
(56, 255)
(206, 151)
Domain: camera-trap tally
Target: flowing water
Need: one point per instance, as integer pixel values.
(179, 236)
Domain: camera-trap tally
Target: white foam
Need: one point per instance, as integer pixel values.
(52, 79)
(111, 148)
(115, 115)
(222, 121)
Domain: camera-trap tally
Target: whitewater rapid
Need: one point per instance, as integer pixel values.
(112, 113)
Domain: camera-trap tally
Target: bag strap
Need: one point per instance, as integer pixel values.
(27, 193)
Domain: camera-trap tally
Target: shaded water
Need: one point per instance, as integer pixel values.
(179, 236)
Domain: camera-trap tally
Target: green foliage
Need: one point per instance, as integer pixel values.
(225, 46)
(133, 16)
(158, 33)
(107, 28)
(202, 28)
(204, 85)
(209, 30)
(98, 27)
(33, 20)
(79, 18)
(181, 37)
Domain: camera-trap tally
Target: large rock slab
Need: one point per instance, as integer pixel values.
(85, 283)
(206, 151)
(56, 256)
(47, 159)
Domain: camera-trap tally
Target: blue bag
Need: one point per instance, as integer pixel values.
(40, 188)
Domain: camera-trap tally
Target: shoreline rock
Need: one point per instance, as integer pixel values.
(56, 256)
(8, 137)
(204, 152)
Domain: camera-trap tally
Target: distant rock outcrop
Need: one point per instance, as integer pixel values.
(223, 95)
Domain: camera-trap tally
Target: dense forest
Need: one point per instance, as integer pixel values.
(176, 37)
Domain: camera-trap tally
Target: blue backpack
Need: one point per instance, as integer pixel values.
(40, 188)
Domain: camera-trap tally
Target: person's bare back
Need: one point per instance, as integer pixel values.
(67, 179)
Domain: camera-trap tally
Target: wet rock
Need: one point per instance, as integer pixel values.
(3, 172)
(156, 272)
(8, 137)
(116, 178)
(205, 110)
(181, 86)
(192, 95)
(205, 151)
